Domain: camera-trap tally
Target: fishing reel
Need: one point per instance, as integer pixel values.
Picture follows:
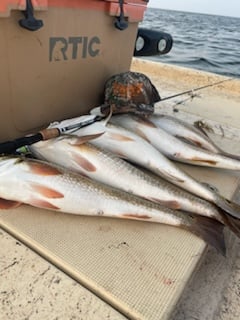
(152, 42)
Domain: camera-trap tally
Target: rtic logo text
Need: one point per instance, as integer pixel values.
(73, 48)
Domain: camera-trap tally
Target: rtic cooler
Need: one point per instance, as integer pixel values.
(58, 69)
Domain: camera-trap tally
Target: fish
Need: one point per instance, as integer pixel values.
(192, 134)
(172, 147)
(130, 146)
(44, 185)
(74, 153)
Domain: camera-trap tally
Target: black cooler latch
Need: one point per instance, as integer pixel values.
(121, 23)
(30, 22)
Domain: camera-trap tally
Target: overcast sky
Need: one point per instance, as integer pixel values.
(220, 7)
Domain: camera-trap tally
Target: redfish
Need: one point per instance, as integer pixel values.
(132, 147)
(105, 167)
(192, 134)
(173, 147)
(51, 187)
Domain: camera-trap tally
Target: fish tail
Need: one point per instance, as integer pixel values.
(232, 223)
(230, 155)
(211, 231)
(228, 206)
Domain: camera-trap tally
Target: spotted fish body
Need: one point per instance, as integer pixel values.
(107, 168)
(172, 147)
(188, 133)
(128, 145)
(51, 187)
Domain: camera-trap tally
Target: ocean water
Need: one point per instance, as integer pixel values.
(206, 42)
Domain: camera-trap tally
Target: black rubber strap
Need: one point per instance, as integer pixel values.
(121, 23)
(30, 22)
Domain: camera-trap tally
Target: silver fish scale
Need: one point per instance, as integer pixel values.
(112, 170)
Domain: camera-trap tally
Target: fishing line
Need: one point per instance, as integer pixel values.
(196, 89)
(185, 100)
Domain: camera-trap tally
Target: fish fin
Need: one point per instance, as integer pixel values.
(191, 142)
(109, 116)
(46, 192)
(230, 155)
(119, 137)
(232, 223)
(85, 138)
(203, 161)
(84, 163)
(228, 206)
(39, 203)
(198, 125)
(210, 186)
(193, 160)
(145, 121)
(121, 155)
(42, 169)
(218, 150)
(211, 231)
(171, 177)
(9, 204)
(141, 134)
(135, 216)
(169, 204)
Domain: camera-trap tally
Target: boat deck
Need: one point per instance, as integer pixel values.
(57, 266)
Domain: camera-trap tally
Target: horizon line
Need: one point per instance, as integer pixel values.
(197, 12)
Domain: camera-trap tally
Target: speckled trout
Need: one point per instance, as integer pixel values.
(172, 147)
(130, 146)
(51, 187)
(105, 167)
(192, 134)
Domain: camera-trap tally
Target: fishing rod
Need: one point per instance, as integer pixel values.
(56, 130)
(196, 89)
(9, 147)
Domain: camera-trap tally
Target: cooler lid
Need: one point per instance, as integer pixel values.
(133, 9)
(7, 5)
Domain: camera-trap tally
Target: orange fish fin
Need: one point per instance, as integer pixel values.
(9, 204)
(191, 141)
(169, 204)
(135, 216)
(178, 155)
(211, 162)
(119, 137)
(43, 169)
(42, 204)
(145, 121)
(86, 138)
(84, 163)
(141, 134)
(171, 177)
(46, 192)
